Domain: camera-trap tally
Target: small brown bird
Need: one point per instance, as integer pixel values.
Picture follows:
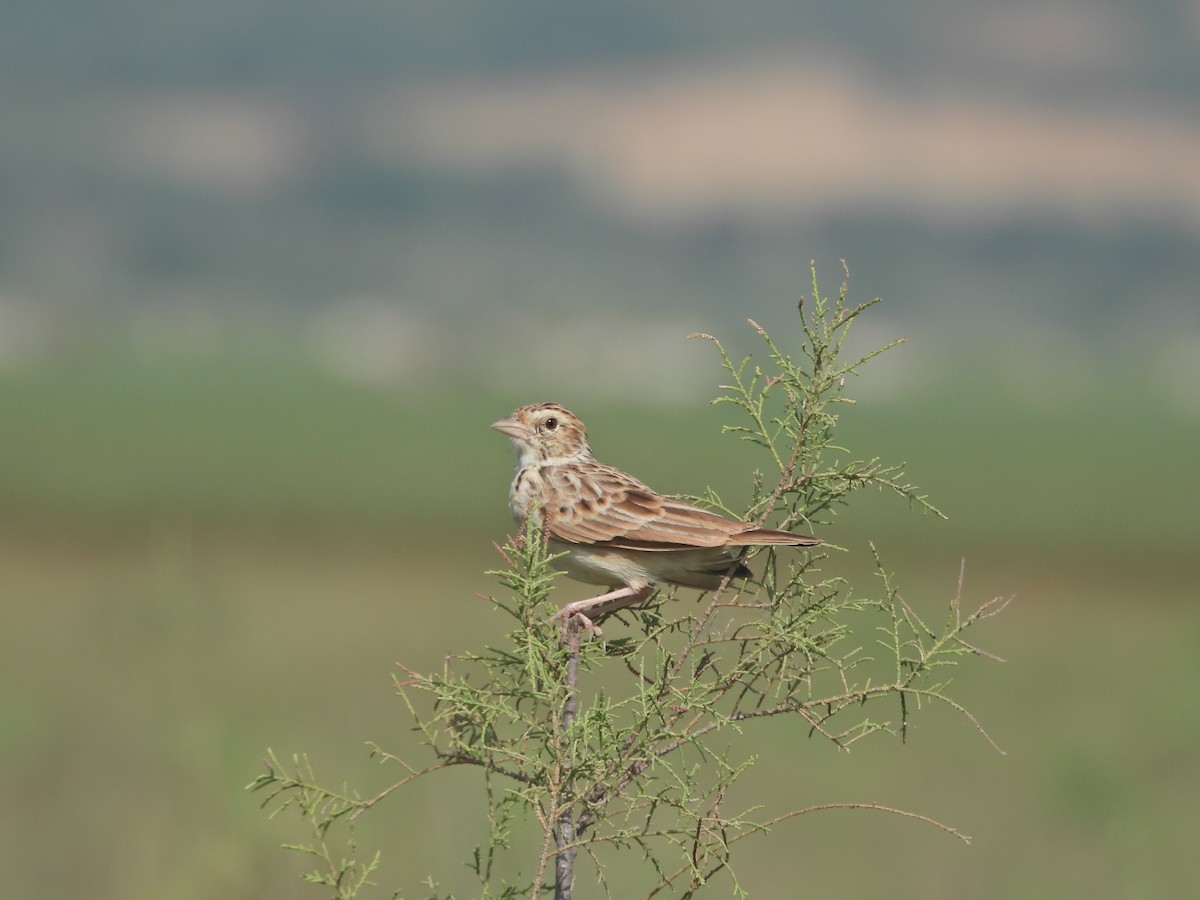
(617, 531)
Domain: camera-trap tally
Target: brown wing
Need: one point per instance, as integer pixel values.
(609, 507)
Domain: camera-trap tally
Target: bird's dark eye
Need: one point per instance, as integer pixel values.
(551, 423)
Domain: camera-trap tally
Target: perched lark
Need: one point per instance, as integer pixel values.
(616, 531)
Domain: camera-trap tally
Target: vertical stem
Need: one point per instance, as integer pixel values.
(564, 861)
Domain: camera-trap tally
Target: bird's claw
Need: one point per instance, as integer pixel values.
(582, 622)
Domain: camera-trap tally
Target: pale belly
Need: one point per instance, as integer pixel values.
(703, 569)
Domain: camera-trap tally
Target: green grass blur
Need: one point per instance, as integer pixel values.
(204, 557)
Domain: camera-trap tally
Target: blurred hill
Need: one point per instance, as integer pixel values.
(175, 170)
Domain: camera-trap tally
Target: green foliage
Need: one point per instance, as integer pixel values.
(633, 745)
(793, 415)
(321, 808)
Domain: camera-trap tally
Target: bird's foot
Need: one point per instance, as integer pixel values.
(577, 621)
(598, 606)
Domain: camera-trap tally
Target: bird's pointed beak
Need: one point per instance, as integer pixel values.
(512, 428)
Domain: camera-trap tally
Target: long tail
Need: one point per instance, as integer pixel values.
(753, 536)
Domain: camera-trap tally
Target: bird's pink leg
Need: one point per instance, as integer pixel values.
(605, 603)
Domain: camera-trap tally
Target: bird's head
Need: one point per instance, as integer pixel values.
(545, 432)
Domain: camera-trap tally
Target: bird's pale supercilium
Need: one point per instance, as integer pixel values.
(615, 530)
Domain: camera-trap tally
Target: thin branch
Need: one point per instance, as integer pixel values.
(564, 837)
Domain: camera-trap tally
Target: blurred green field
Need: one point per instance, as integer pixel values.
(204, 557)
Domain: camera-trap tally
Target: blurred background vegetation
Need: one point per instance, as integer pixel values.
(268, 269)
